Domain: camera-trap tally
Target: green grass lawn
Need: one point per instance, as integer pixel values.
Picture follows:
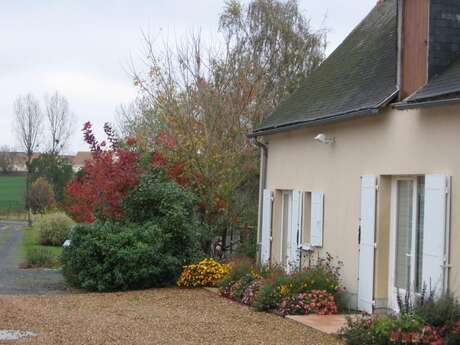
(12, 192)
(35, 255)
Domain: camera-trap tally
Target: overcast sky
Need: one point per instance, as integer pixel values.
(83, 48)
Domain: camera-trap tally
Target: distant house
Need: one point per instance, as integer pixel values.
(363, 160)
(17, 160)
(79, 160)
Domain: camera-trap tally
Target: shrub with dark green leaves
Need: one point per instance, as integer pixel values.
(113, 256)
(160, 200)
(53, 229)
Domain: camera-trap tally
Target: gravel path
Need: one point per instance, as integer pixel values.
(160, 316)
(17, 281)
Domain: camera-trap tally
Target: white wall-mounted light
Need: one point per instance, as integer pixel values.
(322, 138)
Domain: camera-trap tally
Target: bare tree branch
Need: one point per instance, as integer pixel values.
(28, 125)
(60, 124)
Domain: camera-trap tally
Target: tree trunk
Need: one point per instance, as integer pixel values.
(28, 183)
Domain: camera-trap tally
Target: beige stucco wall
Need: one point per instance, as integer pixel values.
(411, 142)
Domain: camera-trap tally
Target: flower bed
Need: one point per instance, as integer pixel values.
(429, 322)
(313, 290)
(206, 273)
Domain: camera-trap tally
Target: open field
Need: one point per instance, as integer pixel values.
(12, 190)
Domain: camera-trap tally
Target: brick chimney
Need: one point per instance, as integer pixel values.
(413, 45)
(429, 41)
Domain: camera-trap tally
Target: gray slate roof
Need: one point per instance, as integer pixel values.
(360, 76)
(445, 84)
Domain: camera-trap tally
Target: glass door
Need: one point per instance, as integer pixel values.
(407, 225)
(285, 224)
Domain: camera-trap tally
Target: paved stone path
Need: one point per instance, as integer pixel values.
(15, 281)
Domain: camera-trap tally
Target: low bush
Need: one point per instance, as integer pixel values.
(314, 290)
(107, 256)
(318, 302)
(242, 273)
(53, 229)
(35, 255)
(206, 273)
(40, 258)
(428, 321)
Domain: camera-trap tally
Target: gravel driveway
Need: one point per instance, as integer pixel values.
(16, 281)
(160, 316)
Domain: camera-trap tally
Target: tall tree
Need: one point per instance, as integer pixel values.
(56, 170)
(198, 105)
(60, 123)
(28, 125)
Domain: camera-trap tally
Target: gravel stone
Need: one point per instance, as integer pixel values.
(159, 316)
(15, 335)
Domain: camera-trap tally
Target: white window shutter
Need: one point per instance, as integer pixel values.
(435, 233)
(294, 233)
(317, 219)
(367, 244)
(266, 227)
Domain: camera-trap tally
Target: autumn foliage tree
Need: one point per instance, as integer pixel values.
(105, 179)
(41, 195)
(196, 106)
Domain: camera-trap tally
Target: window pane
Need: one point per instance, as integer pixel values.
(403, 233)
(286, 200)
(419, 232)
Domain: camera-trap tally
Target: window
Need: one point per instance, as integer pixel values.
(404, 228)
(419, 232)
(285, 226)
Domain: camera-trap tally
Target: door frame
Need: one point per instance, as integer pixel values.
(392, 294)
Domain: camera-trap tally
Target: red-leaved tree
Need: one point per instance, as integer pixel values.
(106, 178)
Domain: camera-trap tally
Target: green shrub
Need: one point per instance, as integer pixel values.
(53, 229)
(444, 311)
(239, 268)
(269, 295)
(431, 322)
(110, 256)
(162, 201)
(40, 258)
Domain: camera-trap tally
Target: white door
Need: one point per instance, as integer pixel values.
(367, 244)
(405, 244)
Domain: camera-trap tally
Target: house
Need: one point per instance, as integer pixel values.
(19, 160)
(79, 160)
(15, 162)
(363, 160)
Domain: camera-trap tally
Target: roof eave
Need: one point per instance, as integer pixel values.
(324, 120)
(312, 123)
(426, 103)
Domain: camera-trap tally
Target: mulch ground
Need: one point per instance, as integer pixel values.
(160, 316)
